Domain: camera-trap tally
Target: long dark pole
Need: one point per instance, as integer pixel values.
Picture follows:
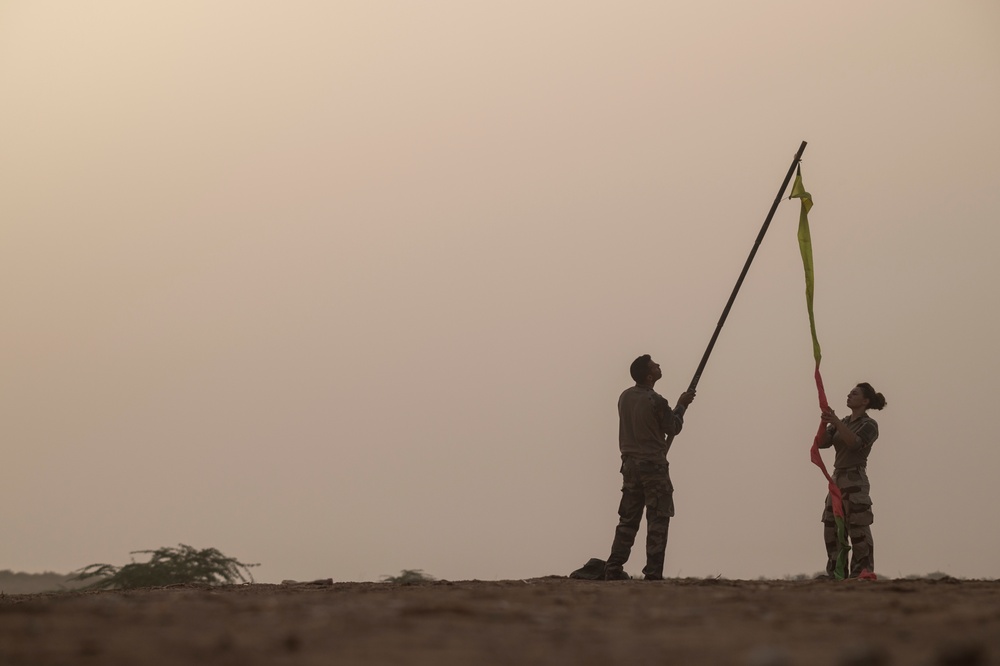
(746, 267)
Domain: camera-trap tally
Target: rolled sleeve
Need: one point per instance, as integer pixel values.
(867, 434)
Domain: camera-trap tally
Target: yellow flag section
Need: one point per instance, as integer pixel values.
(805, 248)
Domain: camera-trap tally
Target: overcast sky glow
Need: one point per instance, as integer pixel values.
(349, 288)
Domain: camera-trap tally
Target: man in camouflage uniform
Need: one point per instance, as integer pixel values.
(852, 438)
(645, 419)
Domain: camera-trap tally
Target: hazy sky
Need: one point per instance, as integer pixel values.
(346, 288)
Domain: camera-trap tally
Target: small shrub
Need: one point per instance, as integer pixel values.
(938, 575)
(168, 566)
(409, 577)
(800, 577)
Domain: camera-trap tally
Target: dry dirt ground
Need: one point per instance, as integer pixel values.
(536, 621)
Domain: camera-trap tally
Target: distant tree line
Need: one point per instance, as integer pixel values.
(32, 583)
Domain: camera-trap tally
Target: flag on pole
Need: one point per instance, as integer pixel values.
(805, 248)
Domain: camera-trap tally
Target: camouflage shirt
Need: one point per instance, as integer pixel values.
(644, 421)
(866, 429)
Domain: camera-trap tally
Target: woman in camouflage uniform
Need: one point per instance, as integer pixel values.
(852, 438)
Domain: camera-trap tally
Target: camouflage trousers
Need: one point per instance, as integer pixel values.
(645, 485)
(858, 517)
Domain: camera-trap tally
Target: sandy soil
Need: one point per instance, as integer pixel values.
(542, 620)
